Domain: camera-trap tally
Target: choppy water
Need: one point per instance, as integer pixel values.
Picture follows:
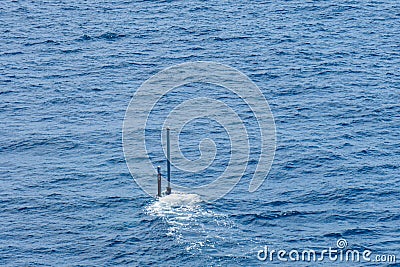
(68, 69)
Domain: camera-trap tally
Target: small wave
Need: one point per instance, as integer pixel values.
(358, 231)
(69, 51)
(111, 36)
(13, 53)
(261, 218)
(391, 217)
(49, 41)
(85, 37)
(232, 38)
(334, 234)
(105, 36)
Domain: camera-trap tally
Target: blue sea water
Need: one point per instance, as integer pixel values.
(68, 69)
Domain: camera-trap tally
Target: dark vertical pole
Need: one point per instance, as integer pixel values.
(159, 181)
(168, 164)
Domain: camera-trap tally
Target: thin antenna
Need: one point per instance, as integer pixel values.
(168, 164)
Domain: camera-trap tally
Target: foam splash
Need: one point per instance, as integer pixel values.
(177, 203)
(180, 200)
(188, 221)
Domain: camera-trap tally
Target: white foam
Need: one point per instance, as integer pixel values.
(180, 199)
(185, 217)
(177, 204)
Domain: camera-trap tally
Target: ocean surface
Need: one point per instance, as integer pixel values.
(68, 70)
